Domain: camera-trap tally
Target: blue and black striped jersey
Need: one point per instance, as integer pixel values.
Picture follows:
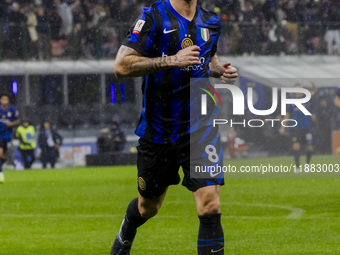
(162, 31)
(303, 121)
(11, 114)
(338, 93)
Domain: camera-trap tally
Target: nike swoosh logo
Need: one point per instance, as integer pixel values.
(168, 31)
(215, 174)
(212, 251)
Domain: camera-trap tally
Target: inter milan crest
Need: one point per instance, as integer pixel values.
(205, 34)
(141, 183)
(187, 42)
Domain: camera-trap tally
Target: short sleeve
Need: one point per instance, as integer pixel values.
(141, 34)
(214, 48)
(338, 93)
(16, 114)
(290, 108)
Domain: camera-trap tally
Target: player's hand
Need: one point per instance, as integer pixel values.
(229, 73)
(188, 56)
(9, 124)
(282, 130)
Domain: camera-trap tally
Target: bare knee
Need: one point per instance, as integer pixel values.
(296, 146)
(210, 207)
(148, 208)
(309, 147)
(208, 200)
(148, 211)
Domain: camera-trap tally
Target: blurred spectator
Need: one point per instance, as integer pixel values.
(54, 22)
(16, 20)
(49, 142)
(26, 135)
(291, 9)
(248, 29)
(94, 28)
(32, 23)
(43, 33)
(333, 33)
(65, 8)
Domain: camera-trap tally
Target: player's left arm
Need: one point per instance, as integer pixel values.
(226, 72)
(314, 89)
(337, 99)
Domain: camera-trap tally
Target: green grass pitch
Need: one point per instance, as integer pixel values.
(79, 211)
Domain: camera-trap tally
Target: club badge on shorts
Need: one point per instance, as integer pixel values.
(141, 183)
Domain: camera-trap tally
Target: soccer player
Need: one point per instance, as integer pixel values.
(9, 118)
(302, 132)
(172, 41)
(337, 99)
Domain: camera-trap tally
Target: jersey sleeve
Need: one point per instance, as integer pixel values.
(214, 48)
(15, 114)
(290, 109)
(338, 93)
(141, 35)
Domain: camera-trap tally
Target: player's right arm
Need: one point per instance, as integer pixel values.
(138, 55)
(130, 63)
(282, 128)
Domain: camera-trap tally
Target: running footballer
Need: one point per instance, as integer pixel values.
(9, 119)
(302, 132)
(171, 42)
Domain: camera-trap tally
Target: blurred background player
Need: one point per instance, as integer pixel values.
(172, 42)
(49, 142)
(302, 132)
(27, 144)
(118, 137)
(337, 99)
(111, 140)
(9, 118)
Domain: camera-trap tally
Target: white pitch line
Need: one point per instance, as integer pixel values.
(18, 216)
(295, 213)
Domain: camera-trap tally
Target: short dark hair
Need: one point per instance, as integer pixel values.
(4, 95)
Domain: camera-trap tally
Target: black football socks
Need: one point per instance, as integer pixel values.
(1, 163)
(210, 235)
(309, 156)
(132, 221)
(296, 157)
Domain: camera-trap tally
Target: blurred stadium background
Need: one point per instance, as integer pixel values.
(57, 59)
(56, 63)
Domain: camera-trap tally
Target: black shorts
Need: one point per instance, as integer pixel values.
(3, 145)
(158, 166)
(303, 136)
